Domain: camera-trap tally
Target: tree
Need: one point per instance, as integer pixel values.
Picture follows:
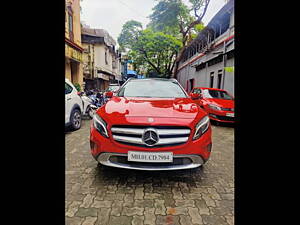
(155, 51)
(130, 33)
(158, 50)
(175, 16)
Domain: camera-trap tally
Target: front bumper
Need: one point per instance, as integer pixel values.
(220, 116)
(105, 158)
(224, 119)
(191, 154)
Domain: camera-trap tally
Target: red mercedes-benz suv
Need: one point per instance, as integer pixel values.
(151, 124)
(218, 103)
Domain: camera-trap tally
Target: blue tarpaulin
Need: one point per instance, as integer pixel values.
(131, 72)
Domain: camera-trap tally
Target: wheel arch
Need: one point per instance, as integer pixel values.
(76, 106)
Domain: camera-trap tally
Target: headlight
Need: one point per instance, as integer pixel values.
(201, 127)
(100, 125)
(215, 107)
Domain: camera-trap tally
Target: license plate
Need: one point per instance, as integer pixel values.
(230, 114)
(150, 156)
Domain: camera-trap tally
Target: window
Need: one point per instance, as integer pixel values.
(212, 79)
(70, 23)
(230, 54)
(216, 94)
(219, 78)
(215, 60)
(200, 66)
(148, 88)
(106, 61)
(192, 81)
(68, 89)
(70, 17)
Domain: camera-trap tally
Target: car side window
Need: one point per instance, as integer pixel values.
(68, 89)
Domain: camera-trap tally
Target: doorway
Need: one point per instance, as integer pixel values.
(219, 78)
(212, 79)
(191, 84)
(74, 71)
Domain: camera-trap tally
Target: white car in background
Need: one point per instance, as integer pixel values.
(73, 106)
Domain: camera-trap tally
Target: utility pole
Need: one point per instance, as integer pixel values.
(224, 61)
(125, 68)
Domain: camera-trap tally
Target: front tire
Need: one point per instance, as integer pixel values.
(75, 119)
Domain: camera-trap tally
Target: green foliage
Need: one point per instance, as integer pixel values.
(77, 86)
(167, 16)
(150, 50)
(156, 48)
(199, 27)
(175, 18)
(130, 34)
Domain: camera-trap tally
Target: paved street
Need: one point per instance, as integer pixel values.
(112, 196)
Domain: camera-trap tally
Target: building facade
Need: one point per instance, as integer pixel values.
(102, 64)
(208, 61)
(73, 48)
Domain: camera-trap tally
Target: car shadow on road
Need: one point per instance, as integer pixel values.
(158, 178)
(220, 124)
(68, 129)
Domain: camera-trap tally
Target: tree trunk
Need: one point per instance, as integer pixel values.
(177, 61)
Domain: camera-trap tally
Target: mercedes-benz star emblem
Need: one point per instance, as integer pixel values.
(150, 137)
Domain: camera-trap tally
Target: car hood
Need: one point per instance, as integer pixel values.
(183, 108)
(221, 102)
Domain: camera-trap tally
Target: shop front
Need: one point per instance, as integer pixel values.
(73, 63)
(102, 81)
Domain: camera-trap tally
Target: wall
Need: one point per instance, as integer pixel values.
(77, 76)
(202, 77)
(229, 78)
(100, 58)
(76, 21)
(67, 69)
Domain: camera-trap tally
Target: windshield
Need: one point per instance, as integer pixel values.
(113, 88)
(216, 94)
(152, 89)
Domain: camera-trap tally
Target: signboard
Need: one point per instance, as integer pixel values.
(229, 69)
(73, 53)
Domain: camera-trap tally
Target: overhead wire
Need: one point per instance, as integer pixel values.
(133, 10)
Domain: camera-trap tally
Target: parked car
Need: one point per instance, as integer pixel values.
(112, 88)
(151, 124)
(73, 106)
(218, 103)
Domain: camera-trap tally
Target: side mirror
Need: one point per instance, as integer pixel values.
(195, 96)
(109, 94)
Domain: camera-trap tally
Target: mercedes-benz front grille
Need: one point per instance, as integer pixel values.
(150, 136)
